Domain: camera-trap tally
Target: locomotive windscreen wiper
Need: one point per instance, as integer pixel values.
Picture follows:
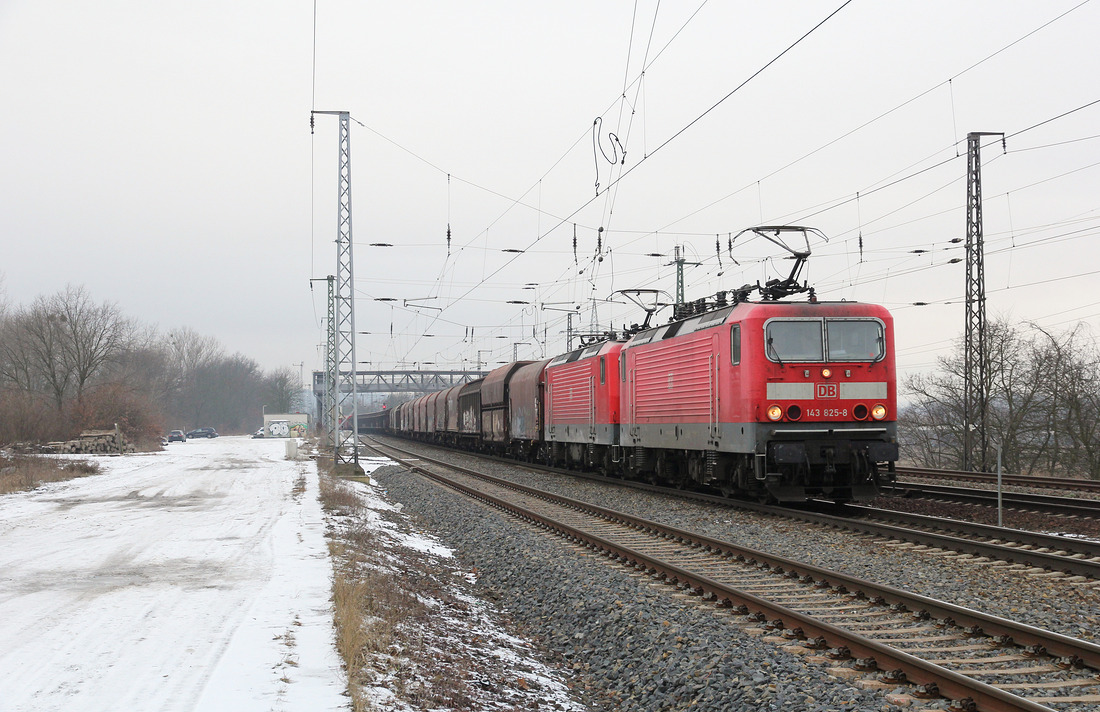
(771, 347)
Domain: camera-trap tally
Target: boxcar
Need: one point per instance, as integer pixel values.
(469, 409)
(431, 423)
(453, 417)
(525, 411)
(495, 421)
(439, 407)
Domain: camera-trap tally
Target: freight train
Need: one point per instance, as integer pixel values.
(786, 401)
(769, 399)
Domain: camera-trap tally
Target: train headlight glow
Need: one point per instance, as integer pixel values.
(775, 412)
(878, 412)
(826, 373)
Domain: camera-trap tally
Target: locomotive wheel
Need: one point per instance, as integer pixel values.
(660, 471)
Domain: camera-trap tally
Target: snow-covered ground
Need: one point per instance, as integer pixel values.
(194, 579)
(462, 633)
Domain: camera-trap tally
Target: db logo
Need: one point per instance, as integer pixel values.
(826, 390)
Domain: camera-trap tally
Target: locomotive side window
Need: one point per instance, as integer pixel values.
(603, 370)
(794, 340)
(735, 344)
(855, 339)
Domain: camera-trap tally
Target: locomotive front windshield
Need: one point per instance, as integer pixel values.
(791, 340)
(854, 339)
(811, 339)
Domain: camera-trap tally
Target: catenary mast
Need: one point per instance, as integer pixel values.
(344, 300)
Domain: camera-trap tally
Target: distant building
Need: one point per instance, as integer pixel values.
(287, 425)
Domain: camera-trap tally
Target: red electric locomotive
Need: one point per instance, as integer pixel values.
(785, 400)
(581, 406)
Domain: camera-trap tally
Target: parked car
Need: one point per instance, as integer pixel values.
(177, 436)
(202, 433)
(259, 433)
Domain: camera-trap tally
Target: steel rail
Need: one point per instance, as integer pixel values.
(1032, 502)
(1085, 547)
(953, 685)
(1030, 557)
(1069, 483)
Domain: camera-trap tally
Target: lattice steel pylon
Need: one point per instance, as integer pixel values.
(332, 427)
(679, 260)
(975, 381)
(327, 407)
(344, 302)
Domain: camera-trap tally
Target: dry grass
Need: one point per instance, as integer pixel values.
(337, 497)
(404, 622)
(25, 472)
(300, 482)
(376, 611)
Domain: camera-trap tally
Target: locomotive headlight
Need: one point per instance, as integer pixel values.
(826, 373)
(878, 412)
(775, 412)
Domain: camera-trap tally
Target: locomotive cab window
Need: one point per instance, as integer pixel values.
(855, 339)
(794, 340)
(735, 344)
(603, 370)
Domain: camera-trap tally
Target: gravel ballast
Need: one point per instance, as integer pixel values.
(630, 643)
(1044, 602)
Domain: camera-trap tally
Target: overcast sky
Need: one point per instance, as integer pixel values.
(160, 154)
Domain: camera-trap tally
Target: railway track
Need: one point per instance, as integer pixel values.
(1034, 551)
(1064, 483)
(979, 661)
(1029, 552)
(1061, 506)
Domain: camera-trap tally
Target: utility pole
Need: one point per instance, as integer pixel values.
(569, 314)
(975, 383)
(344, 299)
(328, 418)
(678, 260)
(332, 416)
(593, 322)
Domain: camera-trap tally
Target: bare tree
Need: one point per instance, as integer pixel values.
(41, 339)
(92, 334)
(283, 390)
(67, 363)
(190, 355)
(1044, 404)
